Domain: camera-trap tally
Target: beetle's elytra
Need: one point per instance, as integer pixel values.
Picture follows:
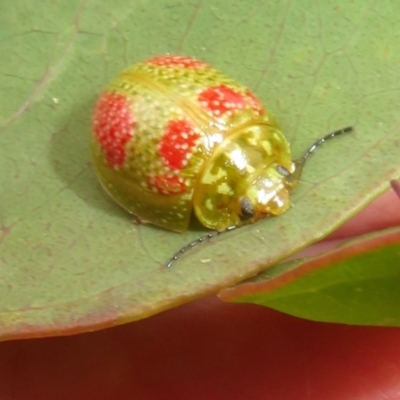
(172, 135)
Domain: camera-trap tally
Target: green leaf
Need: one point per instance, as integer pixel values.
(70, 259)
(356, 284)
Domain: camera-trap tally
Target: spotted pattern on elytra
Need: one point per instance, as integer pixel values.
(178, 110)
(113, 125)
(177, 143)
(167, 184)
(221, 100)
(255, 103)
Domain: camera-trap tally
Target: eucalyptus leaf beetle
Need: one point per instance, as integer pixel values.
(172, 136)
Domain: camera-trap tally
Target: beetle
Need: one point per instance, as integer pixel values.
(172, 135)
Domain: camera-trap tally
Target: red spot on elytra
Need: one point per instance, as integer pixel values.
(113, 126)
(167, 184)
(176, 61)
(221, 100)
(177, 143)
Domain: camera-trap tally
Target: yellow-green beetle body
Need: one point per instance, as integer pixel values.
(172, 135)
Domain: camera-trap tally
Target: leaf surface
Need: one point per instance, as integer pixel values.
(70, 259)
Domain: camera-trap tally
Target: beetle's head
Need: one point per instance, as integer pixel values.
(267, 193)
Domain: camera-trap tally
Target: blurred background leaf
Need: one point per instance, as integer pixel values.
(357, 284)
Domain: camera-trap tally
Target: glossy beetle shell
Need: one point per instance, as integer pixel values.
(172, 134)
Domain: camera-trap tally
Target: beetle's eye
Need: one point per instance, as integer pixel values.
(246, 208)
(282, 170)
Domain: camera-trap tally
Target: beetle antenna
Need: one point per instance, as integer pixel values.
(329, 136)
(195, 242)
(300, 162)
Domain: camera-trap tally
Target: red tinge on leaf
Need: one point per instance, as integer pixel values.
(396, 187)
